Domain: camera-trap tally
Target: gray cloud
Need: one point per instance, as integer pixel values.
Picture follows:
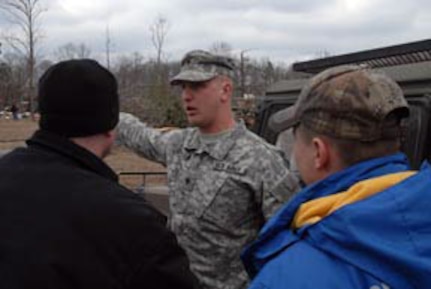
(278, 29)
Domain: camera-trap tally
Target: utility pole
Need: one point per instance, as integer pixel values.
(242, 72)
(243, 60)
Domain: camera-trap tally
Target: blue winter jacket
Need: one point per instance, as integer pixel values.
(381, 242)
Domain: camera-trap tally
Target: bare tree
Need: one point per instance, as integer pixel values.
(159, 30)
(5, 84)
(108, 46)
(72, 51)
(25, 14)
(159, 94)
(322, 53)
(221, 47)
(14, 67)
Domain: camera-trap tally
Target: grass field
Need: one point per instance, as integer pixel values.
(13, 133)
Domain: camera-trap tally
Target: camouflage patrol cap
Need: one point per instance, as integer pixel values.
(347, 102)
(200, 65)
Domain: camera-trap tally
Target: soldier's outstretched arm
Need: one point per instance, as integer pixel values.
(143, 139)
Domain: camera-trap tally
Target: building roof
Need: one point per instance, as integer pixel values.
(407, 53)
(409, 64)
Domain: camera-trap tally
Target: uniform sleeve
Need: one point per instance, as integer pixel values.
(279, 184)
(142, 139)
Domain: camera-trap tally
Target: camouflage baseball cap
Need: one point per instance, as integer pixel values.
(200, 65)
(346, 102)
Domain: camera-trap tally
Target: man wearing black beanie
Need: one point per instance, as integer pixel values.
(65, 221)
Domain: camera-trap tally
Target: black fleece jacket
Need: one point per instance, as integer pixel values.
(65, 222)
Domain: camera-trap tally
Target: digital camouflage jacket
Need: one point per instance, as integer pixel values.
(220, 194)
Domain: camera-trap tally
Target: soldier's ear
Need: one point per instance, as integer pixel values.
(226, 89)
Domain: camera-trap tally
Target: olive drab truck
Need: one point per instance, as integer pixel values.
(408, 64)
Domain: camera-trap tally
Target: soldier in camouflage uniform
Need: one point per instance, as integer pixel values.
(224, 181)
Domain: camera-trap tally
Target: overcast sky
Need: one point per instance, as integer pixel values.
(282, 30)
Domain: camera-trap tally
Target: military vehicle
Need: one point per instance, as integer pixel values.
(408, 64)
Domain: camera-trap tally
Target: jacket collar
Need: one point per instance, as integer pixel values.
(193, 142)
(336, 183)
(67, 149)
(276, 234)
(315, 210)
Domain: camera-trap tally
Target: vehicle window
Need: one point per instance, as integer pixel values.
(416, 138)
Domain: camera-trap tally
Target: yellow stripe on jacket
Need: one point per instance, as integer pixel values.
(315, 210)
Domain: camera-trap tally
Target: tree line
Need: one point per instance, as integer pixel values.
(143, 81)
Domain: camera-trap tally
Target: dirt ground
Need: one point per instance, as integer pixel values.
(13, 133)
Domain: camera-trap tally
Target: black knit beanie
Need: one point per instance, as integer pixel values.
(78, 98)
